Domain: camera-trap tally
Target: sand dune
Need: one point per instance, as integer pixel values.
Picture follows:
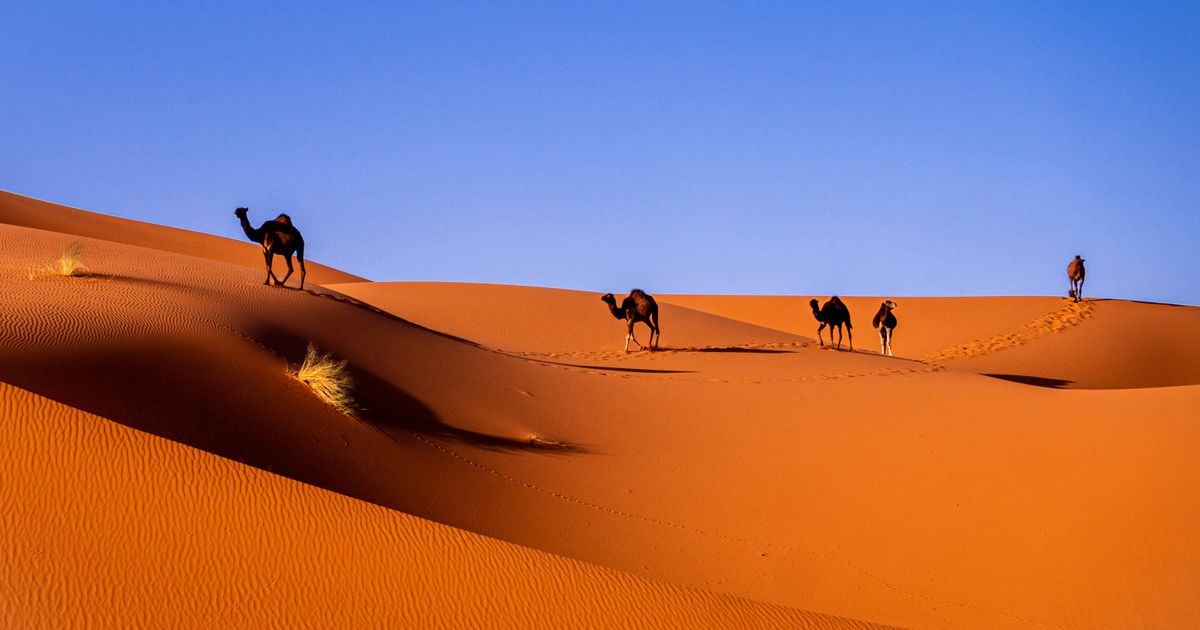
(43, 215)
(255, 549)
(533, 320)
(1097, 344)
(744, 473)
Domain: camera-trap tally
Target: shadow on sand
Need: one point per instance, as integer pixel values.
(735, 350)
(1036, 381)
(189, 391)
(390, 409)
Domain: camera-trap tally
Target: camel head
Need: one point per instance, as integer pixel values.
(241, 212)
(889, 305)
(608, 298)
(816, 305)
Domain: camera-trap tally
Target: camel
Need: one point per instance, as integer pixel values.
(638, 307)
(833, 314)
(1075, 273)
(276, 237)
(885, 322)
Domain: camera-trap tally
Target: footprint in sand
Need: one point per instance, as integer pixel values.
(1067, 317)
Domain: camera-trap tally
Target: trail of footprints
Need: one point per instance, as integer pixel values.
(1069, 316)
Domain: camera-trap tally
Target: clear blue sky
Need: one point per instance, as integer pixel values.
(888, 149)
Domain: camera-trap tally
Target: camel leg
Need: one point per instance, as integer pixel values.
(269, 258)
(287, 258)
(1079, 291)
(303, 271)
(822, 341)
(633, 336)
(850, 333)
(839, 330)
(882, 340)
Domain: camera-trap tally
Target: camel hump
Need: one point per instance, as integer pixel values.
(637, 293)
(283, 218)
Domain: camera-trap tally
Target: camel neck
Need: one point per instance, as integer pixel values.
(251, 233)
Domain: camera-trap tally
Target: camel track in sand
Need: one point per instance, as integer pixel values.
(1065, 318)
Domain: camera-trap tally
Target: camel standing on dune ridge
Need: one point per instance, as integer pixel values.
(637, 307)
(1075, 273)
(833, 314)
(885, 322)
(276, 237)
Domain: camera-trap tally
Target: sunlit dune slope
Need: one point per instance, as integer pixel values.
(1051, 342)
(884, 489)
(548, 321)
(43, 215)
(110, 527)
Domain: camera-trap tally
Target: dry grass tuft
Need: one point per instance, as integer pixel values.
(328, 379)
(69, 264)
(70, 261)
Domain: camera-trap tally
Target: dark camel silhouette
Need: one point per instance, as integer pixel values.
(833, 314)
(276, 237)
(638, 307)
(885, 322)
(1075, 273)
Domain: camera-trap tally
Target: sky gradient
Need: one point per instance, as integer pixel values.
(690, 147)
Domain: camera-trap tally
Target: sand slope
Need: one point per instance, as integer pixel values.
(1097, 344)
(145, 531)
(43, 215)
(743, 461)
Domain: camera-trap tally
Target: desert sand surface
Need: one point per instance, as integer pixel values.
(508, 465)
(35, 213)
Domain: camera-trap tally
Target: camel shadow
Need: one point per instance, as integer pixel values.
(734, 350)
(1036, 381)
(603, 368)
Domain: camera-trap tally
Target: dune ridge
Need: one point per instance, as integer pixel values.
(43, 215)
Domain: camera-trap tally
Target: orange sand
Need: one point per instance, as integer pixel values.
(510, 466)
